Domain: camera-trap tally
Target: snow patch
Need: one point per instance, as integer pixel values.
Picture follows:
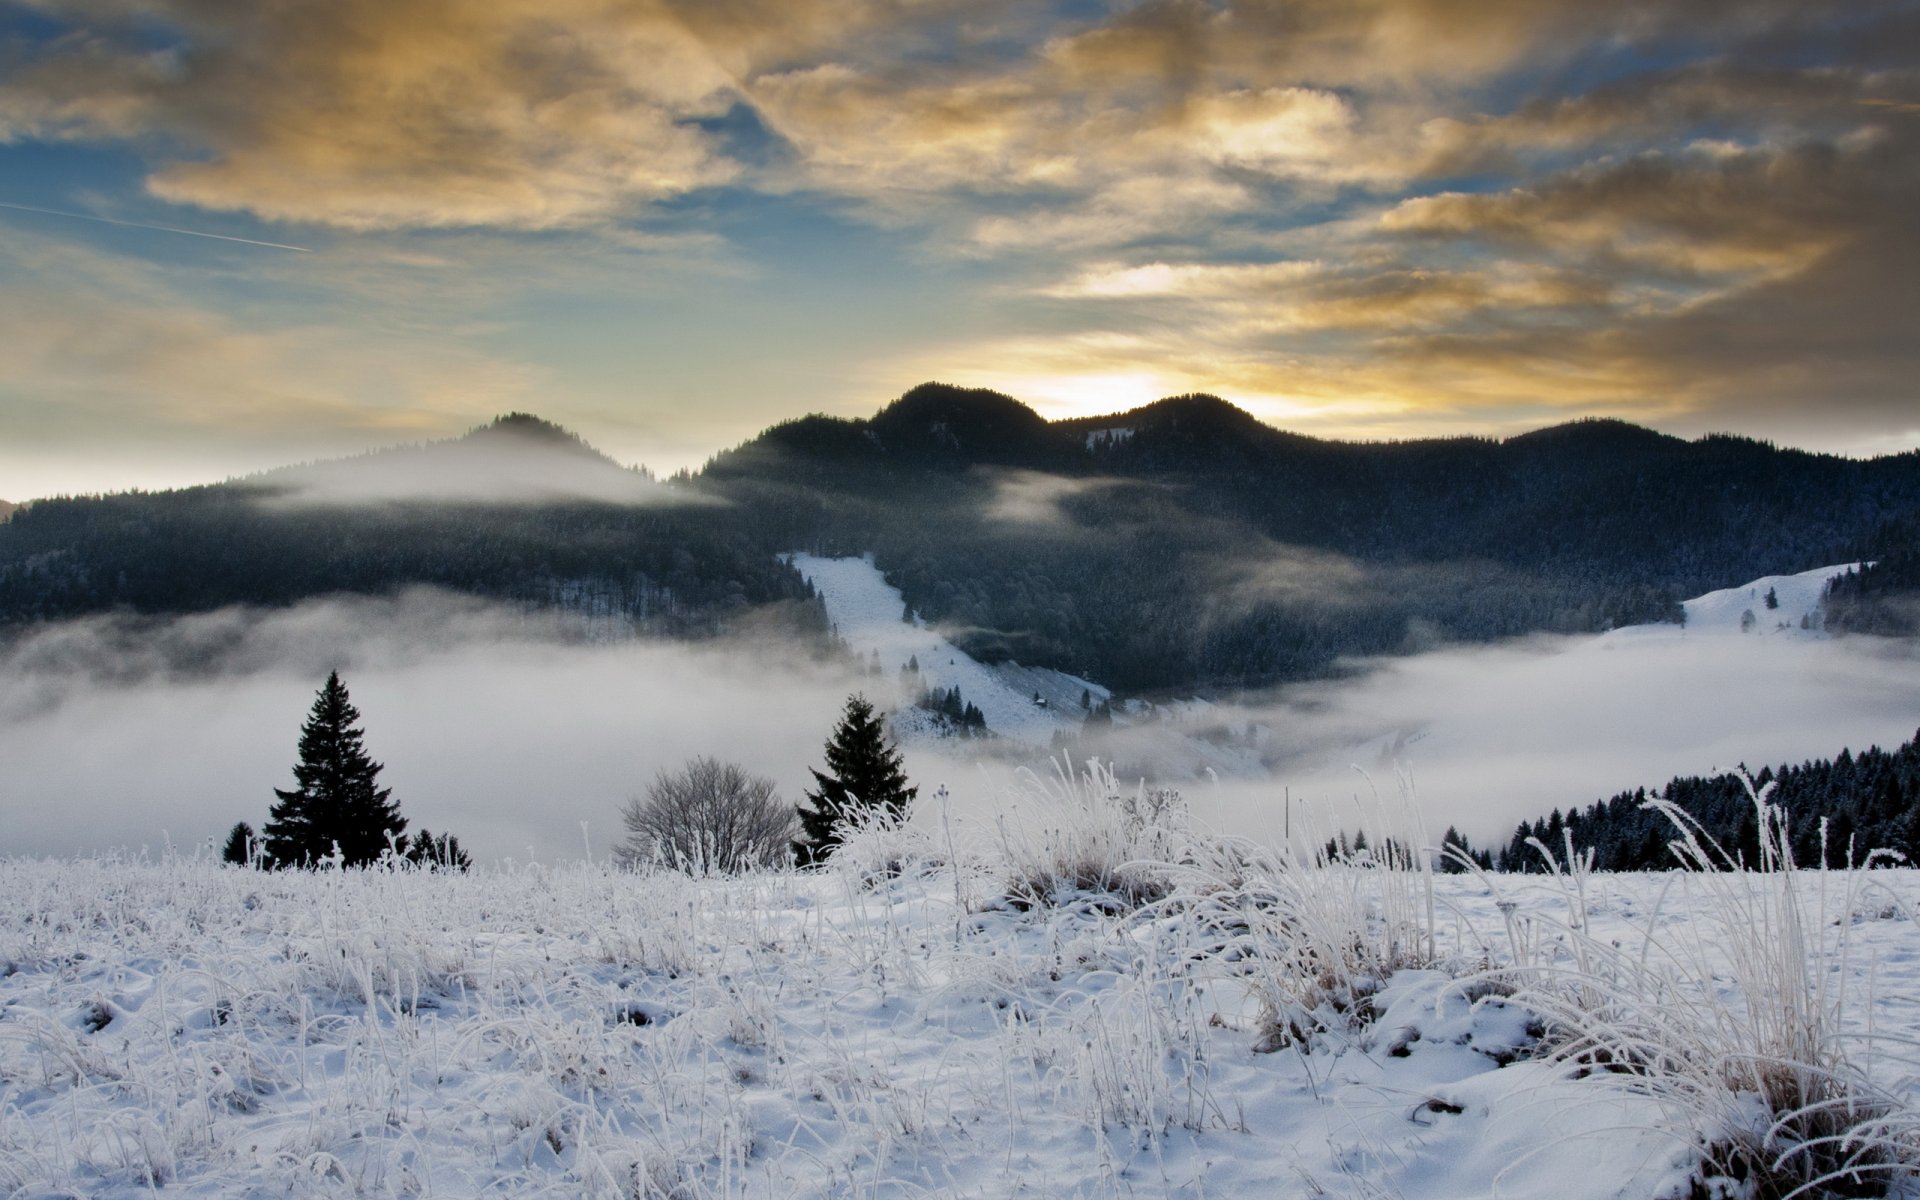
(1027, 704)
(1796, 611)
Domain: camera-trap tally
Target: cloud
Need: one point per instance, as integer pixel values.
(1372, 218)
(1247, 299)
(510, 727)
(106, 358)
(1490, 736)
(1268, 572)
(486, 468)
(1038, 499)
(1712, 211)
(375, 115)
(1513, 732)
(1771, 103)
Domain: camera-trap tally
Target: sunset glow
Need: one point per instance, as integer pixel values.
(231, 240)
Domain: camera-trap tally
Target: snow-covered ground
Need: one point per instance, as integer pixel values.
(871, 615)
(1796, 615)
(185, 1029)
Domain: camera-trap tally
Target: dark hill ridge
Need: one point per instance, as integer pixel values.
(1189, 553)
(1155, 578)
(519, 510)
(941, 425)
(517, 459)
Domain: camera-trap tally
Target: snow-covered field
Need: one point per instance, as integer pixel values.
(188, 1029)
(1796, 608)
(870, 614)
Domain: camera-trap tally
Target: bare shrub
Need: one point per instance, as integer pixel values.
(708, 817)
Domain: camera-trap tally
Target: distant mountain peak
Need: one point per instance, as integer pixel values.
(1190, 409)
(517, 458)
(941, 422)
(1594, 430)
(527, 427)
(1205, 408)
(940, 401)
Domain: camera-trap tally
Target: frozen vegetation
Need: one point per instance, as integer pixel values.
(1096, 1000)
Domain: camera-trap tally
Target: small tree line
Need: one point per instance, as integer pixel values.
(708, 816)
(1845, 809)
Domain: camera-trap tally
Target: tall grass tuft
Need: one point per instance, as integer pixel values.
(1736, 1021)
(1096, 839)
(1315, 935)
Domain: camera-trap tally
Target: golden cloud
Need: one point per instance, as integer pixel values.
(98, 350)
(372, 114)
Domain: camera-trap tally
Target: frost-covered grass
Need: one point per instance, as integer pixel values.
(1108, 1003)
(1742, 1009)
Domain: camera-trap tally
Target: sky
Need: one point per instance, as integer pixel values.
(235, 236)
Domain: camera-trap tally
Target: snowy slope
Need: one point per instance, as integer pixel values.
(183, 1029)
(870, 614)
(1798, 597)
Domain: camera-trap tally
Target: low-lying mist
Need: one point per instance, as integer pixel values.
(504, 728)
(1489, 736)
(511, 728)
(488, 468)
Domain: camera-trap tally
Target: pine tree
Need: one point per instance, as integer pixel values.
(439, 853)
(239, 847)
(336, 804)
(863, 772)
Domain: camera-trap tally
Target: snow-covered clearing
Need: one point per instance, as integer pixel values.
(870, 614)
(578, 1031)
(1797, 599)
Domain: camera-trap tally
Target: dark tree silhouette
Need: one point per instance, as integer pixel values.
(337, 804)
(239, 847)
(442, 853)
(863, 772)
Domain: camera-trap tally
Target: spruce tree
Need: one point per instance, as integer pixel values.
(239, 846)
(337, 804)
(863, 772)
(441, 853)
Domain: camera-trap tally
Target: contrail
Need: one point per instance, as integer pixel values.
(54, 212)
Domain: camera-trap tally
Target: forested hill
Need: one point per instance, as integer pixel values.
(1179, 545)
(1185, 541)
(1868, 801)
(519, 510)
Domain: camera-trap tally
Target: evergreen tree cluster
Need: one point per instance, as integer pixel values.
(337, 813)
(965, 716)
(1882, 597)
(1453, 853)
(1868, 801)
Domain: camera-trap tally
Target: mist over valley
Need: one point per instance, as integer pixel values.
(533, 630)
